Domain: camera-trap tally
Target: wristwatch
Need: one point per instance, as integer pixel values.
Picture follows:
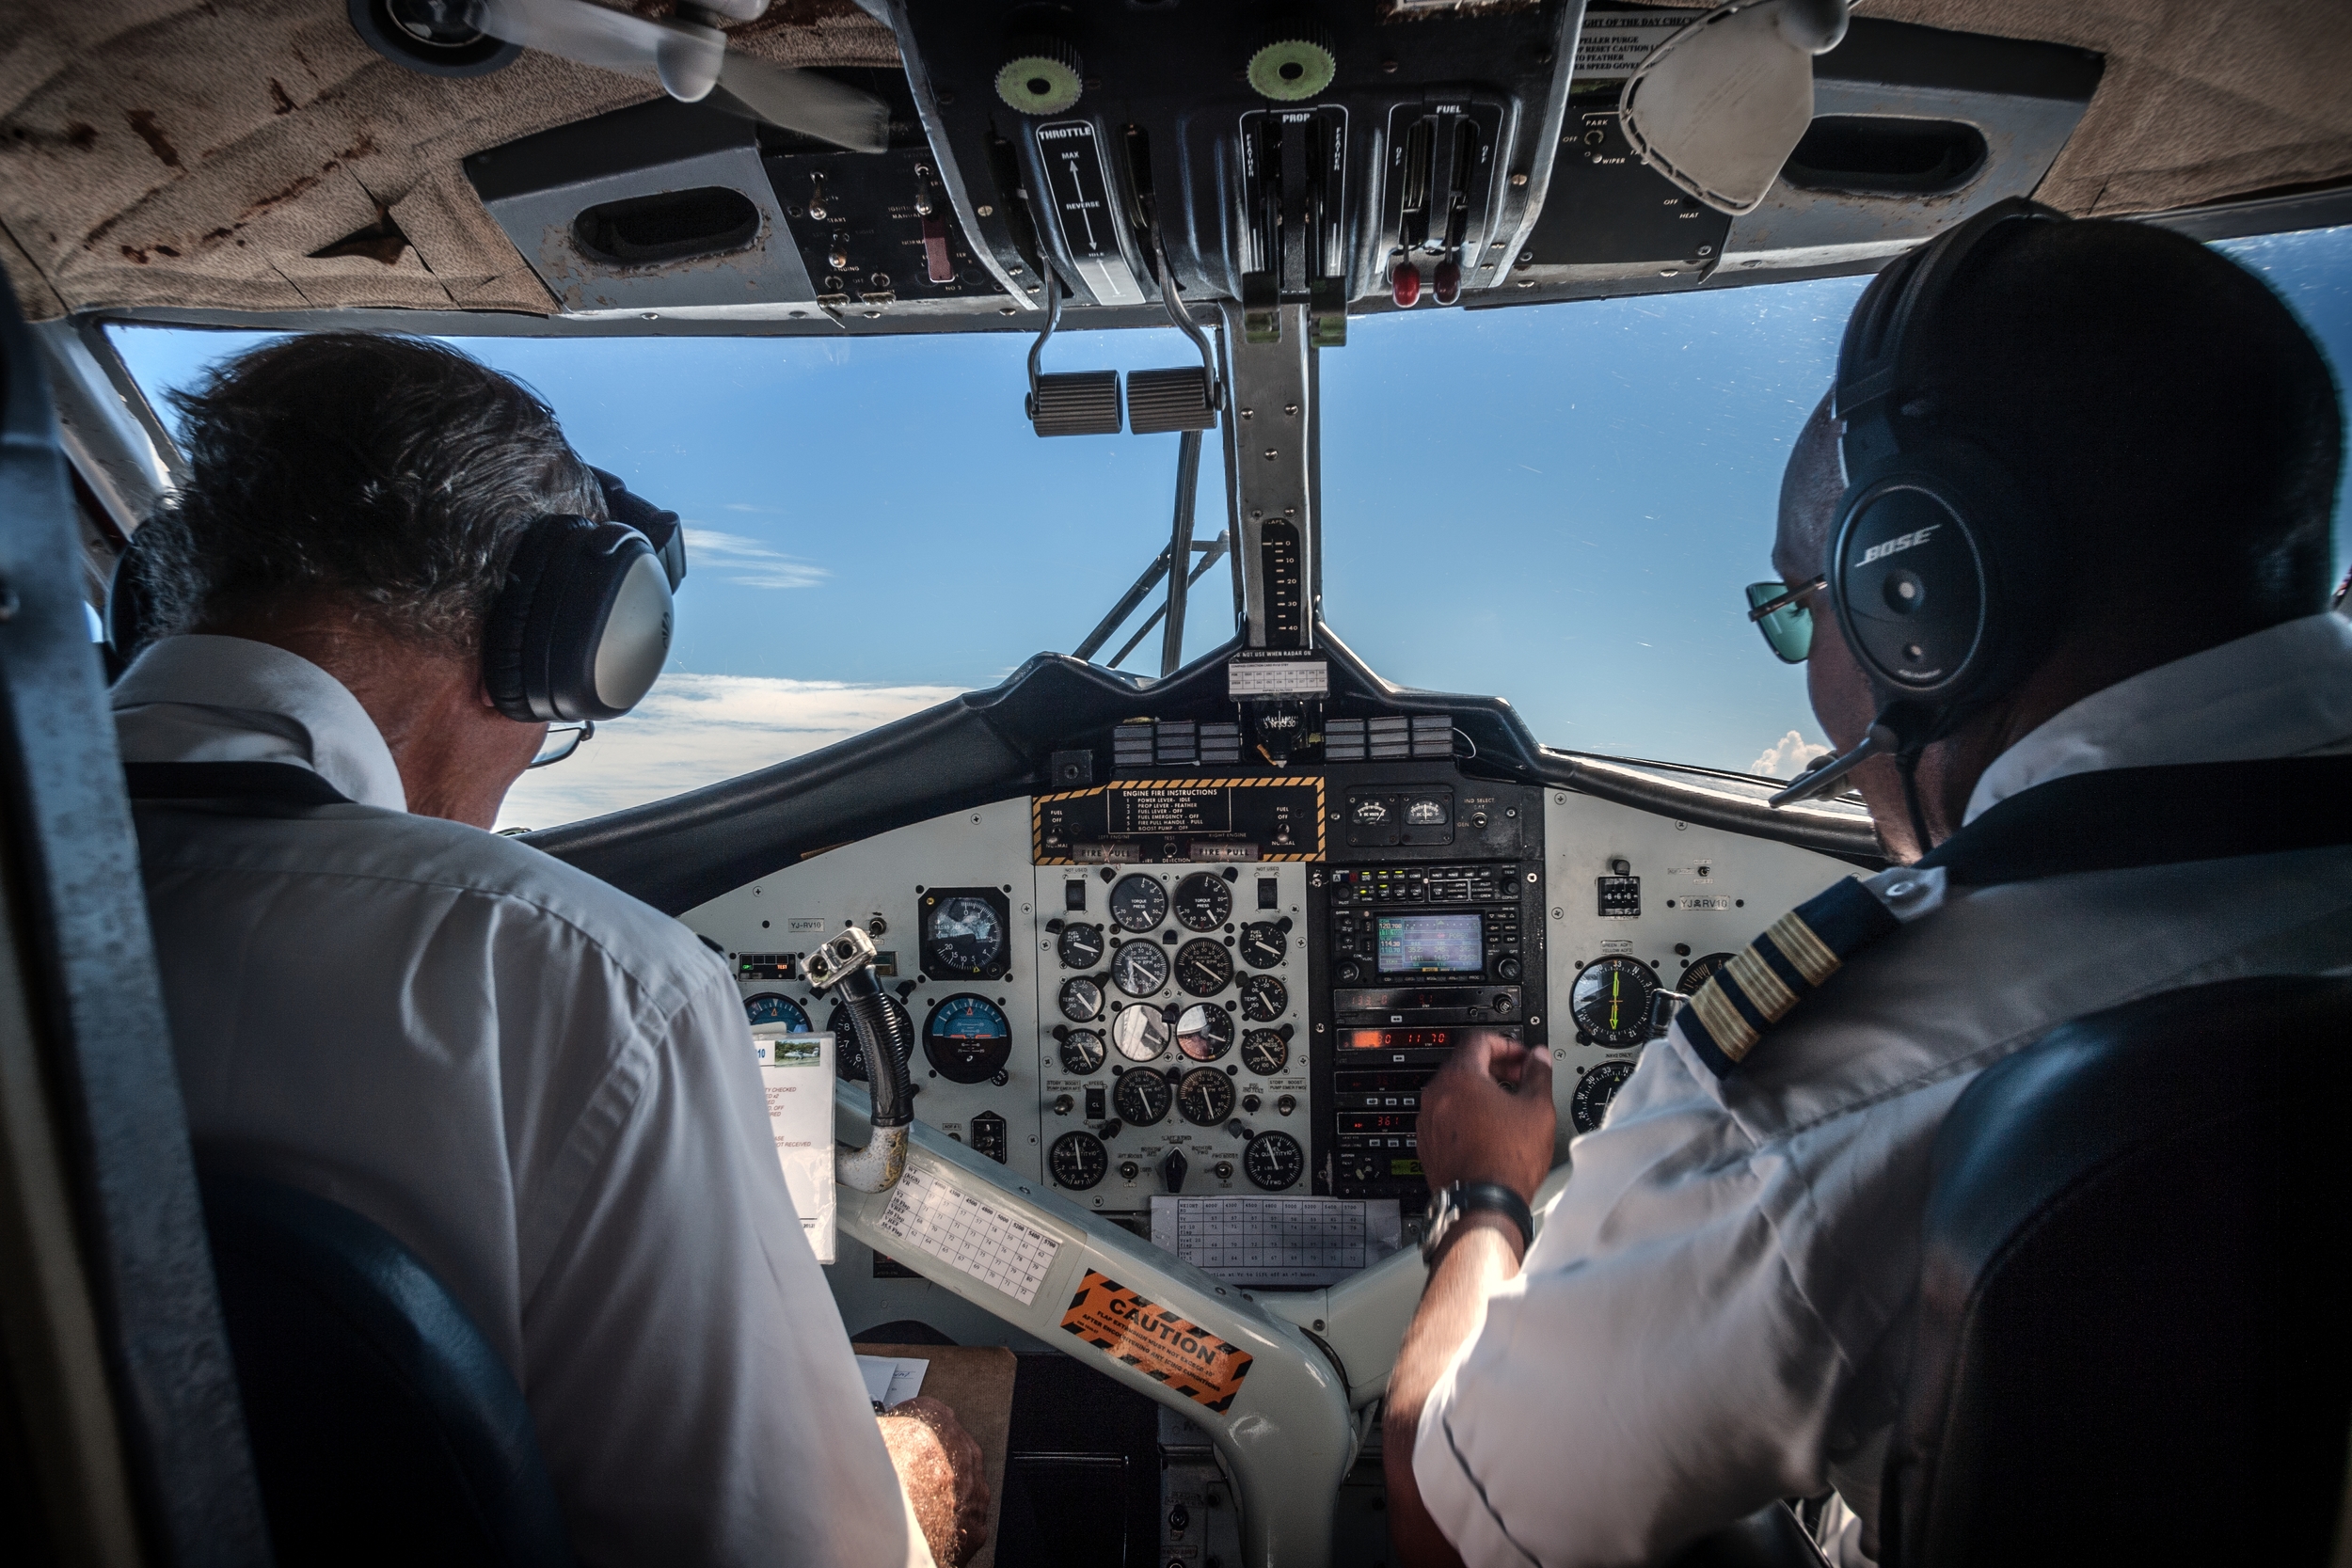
(1470, 1197)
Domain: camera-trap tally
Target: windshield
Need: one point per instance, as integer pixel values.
(1559, 505)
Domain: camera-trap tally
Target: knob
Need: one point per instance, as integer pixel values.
(1111, 1129)
(1349, 974)
(1621, 868)
(1129, 1170)
(1001, 1078)
(1446, 286)
(1178, 1518)
(1285, 1105)
(1508, 969)
(1405, 286)
(1063, 1104)
(1053, 925)
(1173, 1170)
(1504, 1004)
(1283, 923)
(1250, 1102)
(877, 927)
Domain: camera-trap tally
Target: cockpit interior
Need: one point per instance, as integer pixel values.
(1173, 921)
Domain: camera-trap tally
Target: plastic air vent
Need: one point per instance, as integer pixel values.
(672, 226)
(1885, 155)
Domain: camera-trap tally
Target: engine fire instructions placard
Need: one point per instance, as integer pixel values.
(1130, 1329)
(930, 1214)
(1138, 822)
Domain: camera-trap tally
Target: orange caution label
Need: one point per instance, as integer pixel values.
(1121, 1324)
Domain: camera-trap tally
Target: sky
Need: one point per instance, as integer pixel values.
(1557, 505)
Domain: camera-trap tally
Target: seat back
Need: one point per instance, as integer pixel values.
(2130, 1344)
(384, 1427)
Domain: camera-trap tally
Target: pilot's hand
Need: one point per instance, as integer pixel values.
(940, 1467)
(1473, 1128)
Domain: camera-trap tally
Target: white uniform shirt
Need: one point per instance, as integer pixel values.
(1717, 1312)
(545, 1087)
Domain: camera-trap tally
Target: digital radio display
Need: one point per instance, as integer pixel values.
(1431, 944)
(1419, 1039)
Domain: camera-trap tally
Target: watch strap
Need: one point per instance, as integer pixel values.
(1470, 1197)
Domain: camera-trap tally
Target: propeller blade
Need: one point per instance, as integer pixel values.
(805, 101)
(686, 60)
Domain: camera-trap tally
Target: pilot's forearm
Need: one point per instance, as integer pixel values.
(1483, 1254)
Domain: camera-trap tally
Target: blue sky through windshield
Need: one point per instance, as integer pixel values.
(1558, 505)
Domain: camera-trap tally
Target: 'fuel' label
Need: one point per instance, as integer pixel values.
(1116, 1320)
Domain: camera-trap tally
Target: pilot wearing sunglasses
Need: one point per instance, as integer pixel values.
(1716, 1314)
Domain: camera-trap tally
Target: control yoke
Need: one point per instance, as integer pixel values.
(845, 961)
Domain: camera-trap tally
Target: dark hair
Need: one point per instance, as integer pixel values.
(393, 471)
(2168, 411)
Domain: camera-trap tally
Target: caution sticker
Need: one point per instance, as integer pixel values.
(1116, 1320)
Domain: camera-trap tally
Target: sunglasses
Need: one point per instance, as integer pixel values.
(1779, 613)
(563, 741)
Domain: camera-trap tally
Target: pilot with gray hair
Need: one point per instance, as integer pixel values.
(2055, 554)
(385, 574)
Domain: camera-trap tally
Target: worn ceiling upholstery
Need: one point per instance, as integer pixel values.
(198, 153)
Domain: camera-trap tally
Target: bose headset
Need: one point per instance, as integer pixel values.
(578, 632)
(1941, 568)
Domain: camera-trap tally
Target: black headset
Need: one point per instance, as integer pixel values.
(578, 632)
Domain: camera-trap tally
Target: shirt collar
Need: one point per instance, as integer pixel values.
(226, 699)
(2280, 692)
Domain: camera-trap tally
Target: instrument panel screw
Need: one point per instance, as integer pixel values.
(1519, 179)
(985, 212)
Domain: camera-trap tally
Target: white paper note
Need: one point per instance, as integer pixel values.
(931, 1215)
(1277, 1242)
(796, 1071)
(892, 1380)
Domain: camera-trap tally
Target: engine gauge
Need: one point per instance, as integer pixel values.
(1138, 903)
(1140, 968)
(968, 1039)
(1203, 967)
(1263, 944)
(1139, 1033)
(1700, 972)
(1205, 1096)
(1204, 1032)
(1593, 1091)
(849, 1056)
(1142, 1097)
(1274, 1161)
(1610, 1000)
(1080, 946)
(773, 1007)
(1081, 1000)
(962, 934)
(1203, 902)
(1078, 1161)
(1263, 998)
(1265, 1052)
(1082, 1052)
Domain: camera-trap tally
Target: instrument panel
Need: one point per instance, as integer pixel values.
(1115, 993)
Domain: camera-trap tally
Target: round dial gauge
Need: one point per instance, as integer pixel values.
(1138, 903)
(1140, 968)
(1274, 1161)
(1080, 946)
(1203, 967)
(968, 1039)
(1140, 1032)
(1263, 998)
(1203, 902)
(1142, 1097)
(1081, 1000)
(1205, 1096)
(1082, 1052)
(849, 1057)
(772, 1007)
(964, 935)
(1610, 1000)
(1700, 972)
(1593, 1091)
(1078, 1161)
(1263, 944)
(1265, 1052)
(1204, 1032)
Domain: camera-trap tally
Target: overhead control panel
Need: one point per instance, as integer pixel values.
(1286, 158)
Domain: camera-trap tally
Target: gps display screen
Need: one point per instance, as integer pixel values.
(1432, 945)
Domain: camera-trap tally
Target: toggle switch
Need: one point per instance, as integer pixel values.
(938, 264)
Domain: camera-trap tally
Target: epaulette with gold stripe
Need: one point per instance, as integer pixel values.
(1766, 979)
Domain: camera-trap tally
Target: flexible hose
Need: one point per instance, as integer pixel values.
(888, 1046)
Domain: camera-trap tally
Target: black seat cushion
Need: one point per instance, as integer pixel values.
(384, 1427)
(2131, 1347)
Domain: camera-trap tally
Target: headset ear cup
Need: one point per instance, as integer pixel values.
(581, 627)
(510, 656)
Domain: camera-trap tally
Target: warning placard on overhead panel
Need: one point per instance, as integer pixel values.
(1136, 1333)
(1614, 42)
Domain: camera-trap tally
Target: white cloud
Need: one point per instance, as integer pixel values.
(1786, 758)
(697, 729)
(738, 558)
